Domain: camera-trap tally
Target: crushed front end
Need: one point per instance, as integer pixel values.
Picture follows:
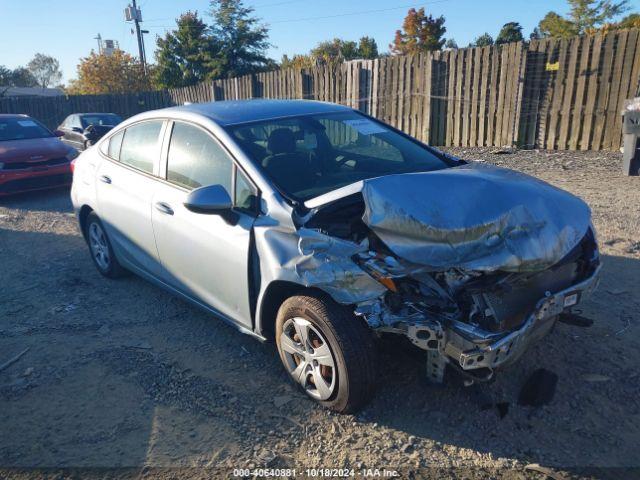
(472, 264)
(477, 322)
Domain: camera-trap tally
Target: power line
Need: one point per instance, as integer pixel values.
(337, 15)
(361, 12)
(255, 7)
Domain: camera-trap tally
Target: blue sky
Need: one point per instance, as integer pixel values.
(66, 30)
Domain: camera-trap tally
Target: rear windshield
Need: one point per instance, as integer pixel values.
(22, 128)
(310, 155)
(109, 119)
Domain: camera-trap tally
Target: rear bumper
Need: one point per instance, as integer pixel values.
(30, 179)
(471, 351)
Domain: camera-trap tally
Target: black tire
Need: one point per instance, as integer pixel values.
(112, 268)
(351, 344)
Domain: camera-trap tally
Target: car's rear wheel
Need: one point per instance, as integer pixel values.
(327, 351)
(100, 247)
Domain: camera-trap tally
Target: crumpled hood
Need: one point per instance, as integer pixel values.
(475, 217)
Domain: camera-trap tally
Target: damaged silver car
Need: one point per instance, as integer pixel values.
(321, 228)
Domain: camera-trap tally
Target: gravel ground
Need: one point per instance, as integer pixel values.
(121, 374)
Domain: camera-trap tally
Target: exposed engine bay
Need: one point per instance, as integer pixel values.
(471, 284)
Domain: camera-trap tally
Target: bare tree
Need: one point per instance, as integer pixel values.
(45, 69)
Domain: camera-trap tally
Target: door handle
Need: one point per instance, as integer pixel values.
(164, 208)
(105, 179)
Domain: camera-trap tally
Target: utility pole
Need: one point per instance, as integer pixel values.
(132, 13)
(99, 39)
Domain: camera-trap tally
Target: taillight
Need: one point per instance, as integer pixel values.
(73, 165)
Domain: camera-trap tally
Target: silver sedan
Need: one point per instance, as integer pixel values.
(322, 228)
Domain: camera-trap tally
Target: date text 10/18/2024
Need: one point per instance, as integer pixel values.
(316, 472)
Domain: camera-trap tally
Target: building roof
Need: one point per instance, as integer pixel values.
(30, 92)
(231, 112)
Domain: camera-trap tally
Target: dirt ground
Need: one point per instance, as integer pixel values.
(122, 374)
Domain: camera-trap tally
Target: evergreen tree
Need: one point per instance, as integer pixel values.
(242, 39)
(186, 55)
(510, 32)
(483, 40)
(367, 48)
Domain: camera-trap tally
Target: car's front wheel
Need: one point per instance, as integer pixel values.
(100, 247)
(327, 351)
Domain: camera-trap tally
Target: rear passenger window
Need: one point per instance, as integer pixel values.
(141, 145)
(196, 159)
(114, 144)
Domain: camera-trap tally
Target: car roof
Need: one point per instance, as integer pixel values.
(232, 112)
(13, 115)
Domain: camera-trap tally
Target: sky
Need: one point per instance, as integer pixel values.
(66, 30)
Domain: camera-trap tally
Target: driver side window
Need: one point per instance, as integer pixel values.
(195, 159)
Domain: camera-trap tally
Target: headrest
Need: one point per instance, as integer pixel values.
(281, 140)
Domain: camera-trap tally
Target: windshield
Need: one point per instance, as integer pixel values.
(311, 155)
(22, 128)
(109, 119)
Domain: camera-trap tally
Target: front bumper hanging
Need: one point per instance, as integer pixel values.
(469, 348)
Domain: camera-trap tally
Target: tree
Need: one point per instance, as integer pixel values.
(450, 44)
(18, 77)
(536, 34)
(186, 55)
(45, 69)
(630, 21)
(115, 73)
(243, 41)
(336, 49)
(333, 51)
(585, 16)
(553, 25)
(510, 32)
(420, 33)
(367, 48)
(589, 15)
(484, 40)
(298, 61)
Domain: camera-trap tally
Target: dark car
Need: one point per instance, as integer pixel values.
(31, 156)
(81, 130)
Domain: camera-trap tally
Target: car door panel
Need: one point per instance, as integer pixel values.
(125, 193)
(202, 255)
(124, 202)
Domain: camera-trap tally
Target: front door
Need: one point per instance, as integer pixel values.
(73, 133)
(204, 256)
(125, 189)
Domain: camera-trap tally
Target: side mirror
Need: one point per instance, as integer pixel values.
(58, 133)
(212, 200)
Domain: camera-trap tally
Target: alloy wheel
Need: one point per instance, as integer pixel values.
(99, 246)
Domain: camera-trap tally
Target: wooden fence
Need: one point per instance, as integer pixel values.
(551, 94)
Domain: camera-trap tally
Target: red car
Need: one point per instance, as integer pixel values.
(31, 156)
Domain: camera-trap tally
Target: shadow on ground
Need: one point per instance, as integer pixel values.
(119, 373)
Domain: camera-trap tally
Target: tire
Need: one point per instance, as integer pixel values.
(100, 248)
(343, 383)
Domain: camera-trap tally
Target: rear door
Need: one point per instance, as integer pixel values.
(125, 187)
(204, 256)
